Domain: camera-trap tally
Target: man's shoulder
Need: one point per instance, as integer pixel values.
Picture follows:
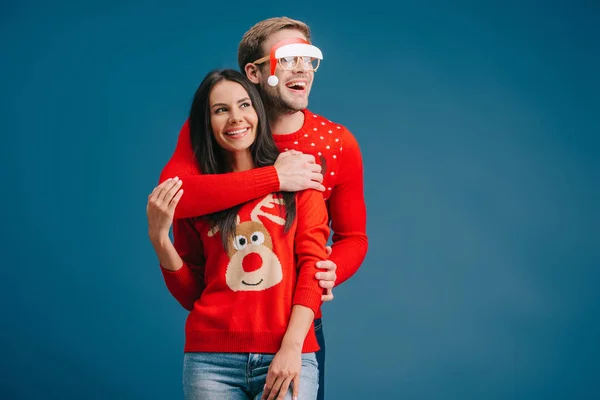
(313, 118)
(319, 122)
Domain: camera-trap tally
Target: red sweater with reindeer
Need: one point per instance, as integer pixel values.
(241, 297)
(334, 148)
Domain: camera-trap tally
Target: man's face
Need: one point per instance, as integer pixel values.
(291, 93)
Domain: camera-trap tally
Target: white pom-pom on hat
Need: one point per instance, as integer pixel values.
(273, 80)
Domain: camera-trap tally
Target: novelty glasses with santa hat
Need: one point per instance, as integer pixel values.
(288, 53)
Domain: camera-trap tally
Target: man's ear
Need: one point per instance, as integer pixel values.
(252, 73)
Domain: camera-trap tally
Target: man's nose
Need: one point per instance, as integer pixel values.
(300, 65)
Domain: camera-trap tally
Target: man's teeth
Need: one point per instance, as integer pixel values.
(232, 133)
(292, 84)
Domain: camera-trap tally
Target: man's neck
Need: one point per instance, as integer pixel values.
(284, 123)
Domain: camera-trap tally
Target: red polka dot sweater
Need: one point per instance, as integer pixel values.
(333, 146)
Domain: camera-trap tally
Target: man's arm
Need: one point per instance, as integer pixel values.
(348, 213)
(207, 193)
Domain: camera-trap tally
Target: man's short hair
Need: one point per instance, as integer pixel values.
(250, 48)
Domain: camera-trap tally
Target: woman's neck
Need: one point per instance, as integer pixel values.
(240, 160)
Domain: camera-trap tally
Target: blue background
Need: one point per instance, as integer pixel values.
(478, 124)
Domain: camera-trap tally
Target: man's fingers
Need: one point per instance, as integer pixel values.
(328, 275)
(327, 284)
(328, 250)
(326, 264)
(328, 296)
(309, 158)
(315, 168)
(315, 177)
(317, 186)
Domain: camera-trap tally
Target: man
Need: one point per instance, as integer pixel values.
(317, 154)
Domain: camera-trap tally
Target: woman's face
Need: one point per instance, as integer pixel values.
(232, 116)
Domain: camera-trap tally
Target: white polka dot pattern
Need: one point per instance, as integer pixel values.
(321, 138)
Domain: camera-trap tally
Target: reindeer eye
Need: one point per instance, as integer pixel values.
(240, 242)
(257, 238)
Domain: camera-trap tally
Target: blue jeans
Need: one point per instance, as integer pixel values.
(320, 358)
(233, 376)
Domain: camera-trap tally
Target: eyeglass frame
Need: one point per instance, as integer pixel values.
(266, 58)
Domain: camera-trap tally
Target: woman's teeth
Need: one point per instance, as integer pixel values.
(239, 131)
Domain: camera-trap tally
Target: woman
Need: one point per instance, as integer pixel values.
(246, 273)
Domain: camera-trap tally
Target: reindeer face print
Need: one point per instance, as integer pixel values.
(253, 266)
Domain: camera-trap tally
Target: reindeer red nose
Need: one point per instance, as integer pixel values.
(252, 262)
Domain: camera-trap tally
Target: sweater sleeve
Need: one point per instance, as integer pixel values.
(311, 237)
(208, 193)
(187, 283)
(348, 213)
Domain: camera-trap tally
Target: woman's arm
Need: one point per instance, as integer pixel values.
(311, 237)
(182, 264)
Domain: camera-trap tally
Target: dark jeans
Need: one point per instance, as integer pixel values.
(320, 358)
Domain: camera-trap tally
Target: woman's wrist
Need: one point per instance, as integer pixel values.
(160, 240)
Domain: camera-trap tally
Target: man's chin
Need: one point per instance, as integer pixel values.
(297, 104)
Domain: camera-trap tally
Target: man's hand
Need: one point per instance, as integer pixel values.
(328, 277)
(298, 171)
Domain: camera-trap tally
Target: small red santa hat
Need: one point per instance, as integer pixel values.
(290, 48)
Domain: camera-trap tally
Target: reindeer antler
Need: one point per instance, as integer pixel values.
(268, 202)
(213, 231)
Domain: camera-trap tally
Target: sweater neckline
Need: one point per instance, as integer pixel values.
(294, 135)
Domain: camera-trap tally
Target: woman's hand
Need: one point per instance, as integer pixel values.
(161, 208)
(284, 369)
